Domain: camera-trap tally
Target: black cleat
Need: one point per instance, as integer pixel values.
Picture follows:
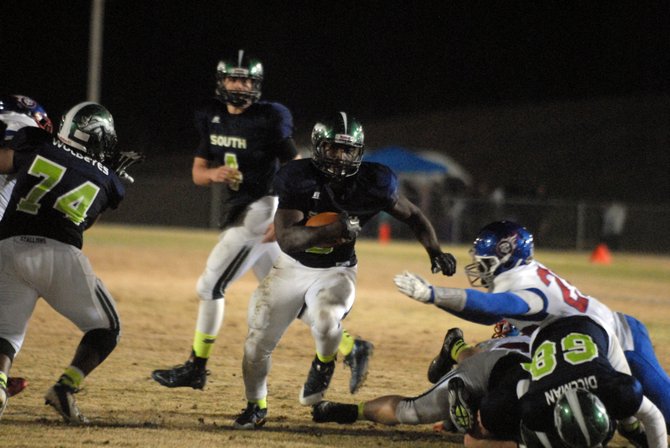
(183, 375)
(460, 410)
(359, 362)
(318, 380)
(61, 398)
(252, 417)
(443, 362)
(330, 411)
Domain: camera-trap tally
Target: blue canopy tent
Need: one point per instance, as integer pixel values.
(407, 164)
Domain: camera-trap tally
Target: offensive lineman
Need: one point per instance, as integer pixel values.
(63, 185)
(242, 143)
(526, 293)
(16, 112)
(314, 278)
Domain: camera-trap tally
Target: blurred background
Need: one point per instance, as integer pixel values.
(555, 114)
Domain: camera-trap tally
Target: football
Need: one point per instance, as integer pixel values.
(322, 219)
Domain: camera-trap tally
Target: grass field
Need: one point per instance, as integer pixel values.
(152, 273)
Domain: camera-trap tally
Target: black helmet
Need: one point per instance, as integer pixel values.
(89, 128)
(241, 67)
(581, 419)
(337, 145)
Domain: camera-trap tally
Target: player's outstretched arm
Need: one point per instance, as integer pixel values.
(469, 304)
(408, 213)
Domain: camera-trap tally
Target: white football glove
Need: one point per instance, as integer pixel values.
(415, 287)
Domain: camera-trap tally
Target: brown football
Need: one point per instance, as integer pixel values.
(322, 219)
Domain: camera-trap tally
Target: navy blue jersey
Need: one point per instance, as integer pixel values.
(302, 186)
(59, 191)
(251, 141)
(572, 353)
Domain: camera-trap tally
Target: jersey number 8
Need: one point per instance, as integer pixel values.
(576, 348)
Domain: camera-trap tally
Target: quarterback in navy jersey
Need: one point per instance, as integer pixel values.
(315, 276)
(243, 142)
(63, 184)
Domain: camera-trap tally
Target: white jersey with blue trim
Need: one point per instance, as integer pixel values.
(550, 297)
(14, 122)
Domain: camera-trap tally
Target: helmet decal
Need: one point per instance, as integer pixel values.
(506, 246)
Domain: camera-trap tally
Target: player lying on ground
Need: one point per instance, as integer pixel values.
(525, 293)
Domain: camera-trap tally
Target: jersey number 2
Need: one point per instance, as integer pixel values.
(570, 297)
(74, 204)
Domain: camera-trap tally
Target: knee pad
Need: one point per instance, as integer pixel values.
(101, 340)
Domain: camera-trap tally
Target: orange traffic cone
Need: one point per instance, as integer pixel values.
(384, 232)
(601, 254)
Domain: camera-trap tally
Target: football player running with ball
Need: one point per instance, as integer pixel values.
(63, 184)
(243, 141)
(315, 276)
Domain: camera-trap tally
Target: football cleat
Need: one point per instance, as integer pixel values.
(61, 398)
(330, 411)
(4, 398)
(317, 382)
(460, 410)
(182, 375)
(15, 385)
(252, 417)
(358, 361)
(443, 362)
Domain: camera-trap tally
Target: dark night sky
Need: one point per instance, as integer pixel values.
(376, 58)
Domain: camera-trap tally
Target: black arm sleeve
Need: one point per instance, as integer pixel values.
(286, 150)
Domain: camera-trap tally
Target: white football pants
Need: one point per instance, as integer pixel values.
(326, 294)
(33, 267)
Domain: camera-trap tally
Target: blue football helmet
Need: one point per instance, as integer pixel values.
(242, 67)
(499, 247)
(18, 111)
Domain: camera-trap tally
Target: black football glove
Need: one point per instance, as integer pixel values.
(125, 160)
(351, 226)
(442, 262)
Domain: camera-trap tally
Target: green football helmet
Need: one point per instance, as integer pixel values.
(581, 419)
(337, 145)
(242, 67)
(89, 128)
